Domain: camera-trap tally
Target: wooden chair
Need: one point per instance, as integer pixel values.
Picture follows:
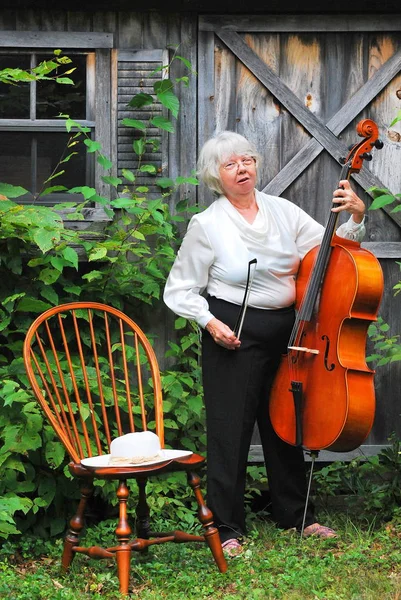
(96, 377)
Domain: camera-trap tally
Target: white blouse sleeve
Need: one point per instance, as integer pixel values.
(352, 231)
(310, 232)
(189, 276)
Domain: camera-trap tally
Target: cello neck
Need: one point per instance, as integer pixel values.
(308, 304)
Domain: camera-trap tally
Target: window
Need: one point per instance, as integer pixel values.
(33, 136)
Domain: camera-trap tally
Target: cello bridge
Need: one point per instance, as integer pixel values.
(303, 349)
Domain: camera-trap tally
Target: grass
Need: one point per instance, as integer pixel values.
(362, 564)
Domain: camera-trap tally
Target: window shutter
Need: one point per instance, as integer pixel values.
(136, 73)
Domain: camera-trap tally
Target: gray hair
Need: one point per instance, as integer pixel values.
(217, 151)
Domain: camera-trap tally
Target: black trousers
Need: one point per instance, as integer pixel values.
(236, 391)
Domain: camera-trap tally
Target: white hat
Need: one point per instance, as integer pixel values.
(135, 450)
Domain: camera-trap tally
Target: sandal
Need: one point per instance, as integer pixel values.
(319, 531)
(232, 548)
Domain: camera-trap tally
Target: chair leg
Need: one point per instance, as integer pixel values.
(123, 532)
(76, 525)
(142, 511)
(211, 532)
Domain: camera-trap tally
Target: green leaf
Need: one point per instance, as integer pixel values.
(93, 275)
(85, 190)
(58, 263)
(148, 169)
(185, 61)
(28, 304)
(139, 146)
(71, 256)
(381, 201)
(52, 189)
(12, 191)
(104, 162)
(64, 80)
(162, 123)
(97, 253)
(164, 182)
(134, 123)
(49, 276)
(165, 94)
(92, 145)
(397, 118)
(46, 239)
(123, 203)
(129, 175)
(140, 100)
(170, 424)
(180, 323)
(114, 181)
(191, 180)
(49, 294)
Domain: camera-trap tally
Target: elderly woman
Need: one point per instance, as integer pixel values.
(240, 225)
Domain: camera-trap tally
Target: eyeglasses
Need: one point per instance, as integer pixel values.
(245, 162)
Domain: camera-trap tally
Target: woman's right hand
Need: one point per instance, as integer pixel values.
(222, 334)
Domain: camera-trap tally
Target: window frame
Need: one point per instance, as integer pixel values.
(100, 78)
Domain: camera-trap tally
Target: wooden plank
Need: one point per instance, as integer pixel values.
(50, 39)
(113, 118)
(28, 19)
(154, 30)
(103, 111)
(206, 101)
(282, 92)
(39, 124)
(105, 20)
(384, 249)
(366, 450)
(129, 30)
(303, 69)
(182, 145)
(147, 55)
(255, 112)
(383, 109)
(7, 20)
(79, 21)
(300, 23)
(54, 20)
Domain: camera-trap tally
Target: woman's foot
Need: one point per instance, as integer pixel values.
(232, 548)
(319, 531)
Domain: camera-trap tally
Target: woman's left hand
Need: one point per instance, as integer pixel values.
(345, 199)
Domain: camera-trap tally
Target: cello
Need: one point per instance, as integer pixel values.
(323, 395)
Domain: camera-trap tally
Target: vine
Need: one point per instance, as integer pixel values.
(43, 263)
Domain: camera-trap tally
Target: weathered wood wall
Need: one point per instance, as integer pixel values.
(296, 86)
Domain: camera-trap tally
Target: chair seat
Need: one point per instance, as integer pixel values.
(177, 464)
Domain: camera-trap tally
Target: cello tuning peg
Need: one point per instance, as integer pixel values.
(379, 144)
(366, 156)
(342, 160)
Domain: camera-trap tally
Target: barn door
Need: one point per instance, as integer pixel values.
(297, 87)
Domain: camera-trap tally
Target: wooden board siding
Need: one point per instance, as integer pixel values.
(297, 87)
(295, 84)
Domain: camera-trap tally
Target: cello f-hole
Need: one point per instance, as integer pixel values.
(326, 339)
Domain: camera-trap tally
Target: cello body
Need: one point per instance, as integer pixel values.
(338, 398)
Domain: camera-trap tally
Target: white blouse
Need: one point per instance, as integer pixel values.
(219, 244)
